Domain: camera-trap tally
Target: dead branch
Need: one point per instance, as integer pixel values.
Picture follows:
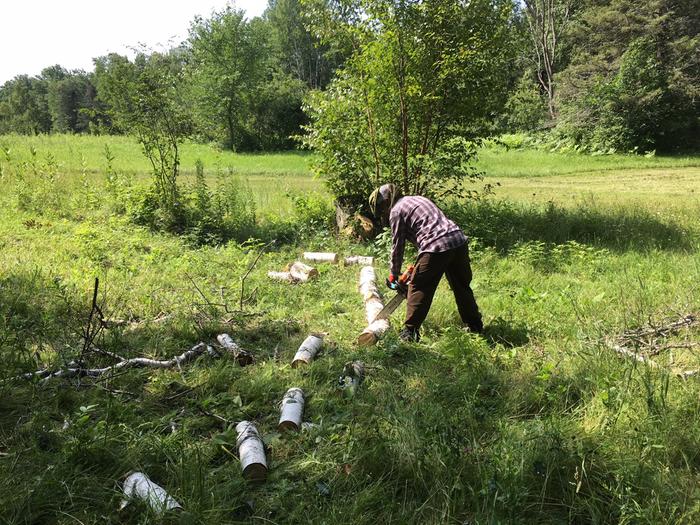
(79, 371)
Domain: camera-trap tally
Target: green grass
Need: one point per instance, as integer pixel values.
(537, 422)
(498, 161)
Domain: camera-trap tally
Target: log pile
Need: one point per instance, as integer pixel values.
(373, 305)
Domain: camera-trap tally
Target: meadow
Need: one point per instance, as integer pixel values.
(537, 421)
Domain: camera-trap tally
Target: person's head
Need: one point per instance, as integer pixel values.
(382, 200)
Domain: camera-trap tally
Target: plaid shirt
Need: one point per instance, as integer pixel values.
(419, 221)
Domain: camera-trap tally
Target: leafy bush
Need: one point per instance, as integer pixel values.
(422, 81)
(526, 110)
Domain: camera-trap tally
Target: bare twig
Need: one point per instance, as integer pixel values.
(215, 416)
(247, 273)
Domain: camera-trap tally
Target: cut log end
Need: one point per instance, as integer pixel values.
(307, 350)
(303, 272)
(255, 472)
(285, 426)
(367, 339)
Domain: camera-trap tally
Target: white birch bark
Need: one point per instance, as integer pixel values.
(359, 259)
(281, 276)
(242, 356)
(308, 350)
(251, 452)
(303, 272)
(138, 485)
(292, 410)
(373, 305)
(321, 257)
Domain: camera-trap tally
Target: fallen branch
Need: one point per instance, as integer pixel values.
(242, 356)
(683, 374)
(78, 371)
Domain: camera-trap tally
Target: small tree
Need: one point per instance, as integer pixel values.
(145, 100)
(423, 79)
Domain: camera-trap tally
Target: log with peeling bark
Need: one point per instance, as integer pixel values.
(362, 260)
(138, 485)
(243, 357)
(373, 305)
(74, 370)
(321, 257)
(308, 350)
(292, 410)
(281, 276)
(303, 272)
(251, 452)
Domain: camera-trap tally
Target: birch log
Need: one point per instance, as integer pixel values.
(243, 357)
(359, 259)
(303, 272)
(373, 305)
(308, 350)
(251, 452)
(281, 276)
(321, 257)
(138, 485)
(292, 410)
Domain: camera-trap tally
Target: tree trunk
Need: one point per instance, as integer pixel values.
(373, 305)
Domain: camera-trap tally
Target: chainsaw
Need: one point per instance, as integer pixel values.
(401, 293)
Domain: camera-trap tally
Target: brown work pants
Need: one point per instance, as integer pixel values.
(426, 277)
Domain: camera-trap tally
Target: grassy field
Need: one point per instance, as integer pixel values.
(539, 421)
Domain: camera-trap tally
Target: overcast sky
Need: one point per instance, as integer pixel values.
(35, 34)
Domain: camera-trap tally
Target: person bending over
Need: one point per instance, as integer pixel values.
(442, 249)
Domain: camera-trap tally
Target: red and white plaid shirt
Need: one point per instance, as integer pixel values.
(422, 223)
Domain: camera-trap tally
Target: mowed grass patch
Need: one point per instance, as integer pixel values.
(498, 161)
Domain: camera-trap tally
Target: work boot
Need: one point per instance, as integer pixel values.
(409, 335)
(473, 329)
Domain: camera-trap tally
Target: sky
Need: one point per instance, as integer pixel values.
(35, 34)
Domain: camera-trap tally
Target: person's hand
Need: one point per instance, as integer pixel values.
(392, 282)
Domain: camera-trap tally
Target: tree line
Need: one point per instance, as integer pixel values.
(407, 82)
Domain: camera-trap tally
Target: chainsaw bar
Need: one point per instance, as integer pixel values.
(391, 306)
